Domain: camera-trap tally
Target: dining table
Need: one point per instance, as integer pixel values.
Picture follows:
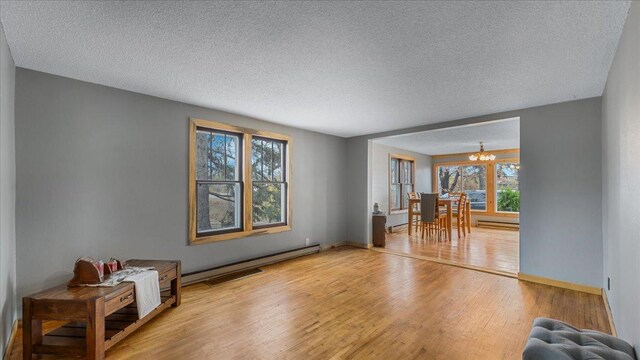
(446, 202)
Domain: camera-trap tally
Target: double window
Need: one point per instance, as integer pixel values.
(491, 187)
(238, 182)
(401, 182)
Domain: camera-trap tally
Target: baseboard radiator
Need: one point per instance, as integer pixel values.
(498, 225)
(212, 273)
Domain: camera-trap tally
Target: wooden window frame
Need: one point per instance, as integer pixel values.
(491, 183)
(246, 181)
(401, 158)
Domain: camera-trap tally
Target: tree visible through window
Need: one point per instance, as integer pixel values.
(449, 179)
(508, 187)
(471, 179)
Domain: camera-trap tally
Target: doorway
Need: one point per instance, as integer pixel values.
(448, 162)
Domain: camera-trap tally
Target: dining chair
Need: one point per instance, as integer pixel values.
(430, 219)
(460, 213)
(416, 209)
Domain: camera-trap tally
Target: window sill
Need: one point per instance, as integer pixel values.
(394, 212)
(238, 235)
(507, 214)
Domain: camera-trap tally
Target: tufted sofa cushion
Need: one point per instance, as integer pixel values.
(554, 340)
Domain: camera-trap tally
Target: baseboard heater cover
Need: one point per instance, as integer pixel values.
(208, 274)
(498, 224)
(242, 274)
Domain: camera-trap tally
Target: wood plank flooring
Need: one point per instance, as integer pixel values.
(353, 303)
(492, 249)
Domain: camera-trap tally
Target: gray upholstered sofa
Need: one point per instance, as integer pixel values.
(554, 340)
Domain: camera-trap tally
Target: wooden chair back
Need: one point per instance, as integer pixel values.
(429, 206)
(462, 203)
(413, 196)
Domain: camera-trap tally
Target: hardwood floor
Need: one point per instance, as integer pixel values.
(485, 248)
(353, 303)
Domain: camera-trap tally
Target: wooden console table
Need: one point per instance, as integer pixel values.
(97, 317)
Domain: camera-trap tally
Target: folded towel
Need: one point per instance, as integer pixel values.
(147, 288)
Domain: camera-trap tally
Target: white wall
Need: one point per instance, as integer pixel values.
(103, 172)
(7, 194)
(621, 181)
(380, 178)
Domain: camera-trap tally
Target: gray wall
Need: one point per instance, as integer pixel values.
(621, 181)
(359, 205)
(561, 183)
(380, 178)
(7, 193)
(103, 172)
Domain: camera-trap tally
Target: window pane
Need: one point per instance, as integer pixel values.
(395, 197)
(218, 207)
(217, 156)
(256, 160)
(267, 160)
(394, 171)
(449, 179)
(508, 187)
(405, 197)
(406, 172)
(474, 183)
(278, 161)
(232, 168)
(268, 204)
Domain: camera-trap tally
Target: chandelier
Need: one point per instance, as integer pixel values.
(482, 155)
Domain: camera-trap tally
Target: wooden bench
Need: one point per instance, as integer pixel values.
(96, 318)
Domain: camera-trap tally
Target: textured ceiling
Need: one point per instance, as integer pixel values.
(344, 68)
(496, 135)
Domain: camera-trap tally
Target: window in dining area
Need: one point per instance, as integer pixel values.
(401, 182)
(491, 187)
(474, 183)
(471, 179)
(507, 187)
(449, 179)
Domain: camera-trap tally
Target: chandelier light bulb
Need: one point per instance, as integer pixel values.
(482, 155)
